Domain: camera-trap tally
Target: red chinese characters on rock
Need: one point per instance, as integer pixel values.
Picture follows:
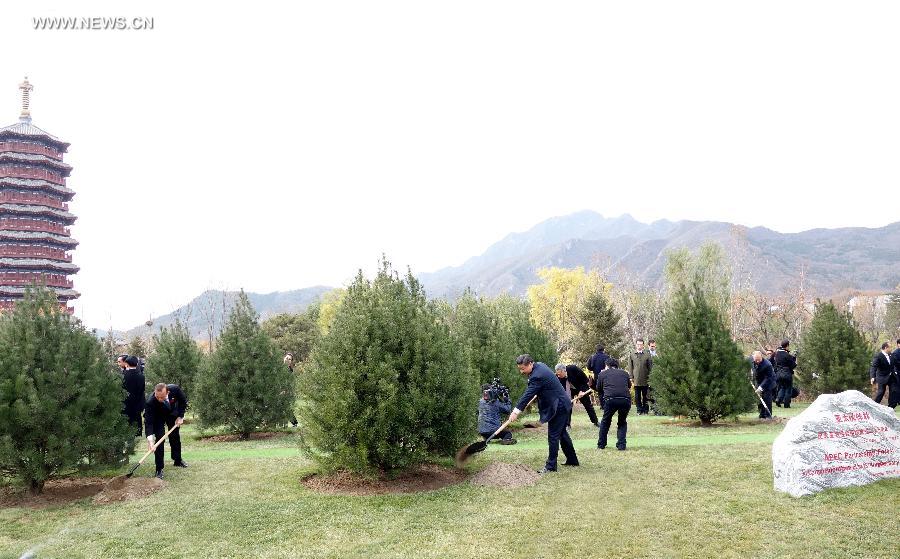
(847, 417)
(851, 432)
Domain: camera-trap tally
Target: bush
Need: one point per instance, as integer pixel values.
(702, 372)
(294, 333)
(387, 386)
(175, 359)
(60, 397)
(835, 354)
(244, 384)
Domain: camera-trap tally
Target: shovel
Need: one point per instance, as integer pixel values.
(119, 481)
(465, 452)
(761, 401)
(589, 390)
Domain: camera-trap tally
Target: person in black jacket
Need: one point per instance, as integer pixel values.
(597, 362)
(883, 373)
(894, 397)
(164, 410)
(784, 364)
(614, 390)
(554, 406)
(133, 383)
(577, 382)
(764, 375)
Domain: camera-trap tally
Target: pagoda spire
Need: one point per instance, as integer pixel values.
(25, 88)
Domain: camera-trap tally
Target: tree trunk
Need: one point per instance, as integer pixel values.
(36, 487)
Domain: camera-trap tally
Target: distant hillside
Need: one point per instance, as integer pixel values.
(212, 306)
(629, 251)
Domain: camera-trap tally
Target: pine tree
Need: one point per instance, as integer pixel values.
(599, 323)
(702, 372)
(137, 347)
(835, 356)
(244, 384)
(60, 397)
(175, 359)
(387, 386)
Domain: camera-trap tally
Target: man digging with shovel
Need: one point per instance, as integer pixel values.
(165, 408)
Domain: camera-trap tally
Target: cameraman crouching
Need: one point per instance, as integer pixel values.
(490, 407)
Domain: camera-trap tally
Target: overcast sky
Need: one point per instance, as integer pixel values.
(276, 145)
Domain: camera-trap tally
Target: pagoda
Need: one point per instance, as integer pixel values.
(35, 243)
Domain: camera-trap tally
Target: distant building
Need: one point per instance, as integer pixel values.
(35, 243)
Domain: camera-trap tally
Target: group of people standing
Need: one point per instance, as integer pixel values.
(163, 410)
(774, 378)
(885, 374)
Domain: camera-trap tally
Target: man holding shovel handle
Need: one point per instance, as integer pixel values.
(764, 375)
(165, 409)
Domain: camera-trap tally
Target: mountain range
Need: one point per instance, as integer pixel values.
(628, 252)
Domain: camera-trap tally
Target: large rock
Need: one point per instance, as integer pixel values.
(841, 440)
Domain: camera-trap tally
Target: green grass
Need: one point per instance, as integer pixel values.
(679, 491)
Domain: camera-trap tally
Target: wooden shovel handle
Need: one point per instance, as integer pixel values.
(589, 390)
(508, 421)
(159, 442)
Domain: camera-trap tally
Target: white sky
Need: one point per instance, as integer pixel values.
(275, 145)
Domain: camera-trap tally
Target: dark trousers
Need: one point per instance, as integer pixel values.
(134, 420)
(640, 399)
(767, 398)
(174, 441)
(504, 435)
(588, 406)
(558, 436)
(611, 406)
(785, 391)
(893, 386)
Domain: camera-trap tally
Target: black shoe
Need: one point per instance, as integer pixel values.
(508, 441)
(620, 448)
(601, 447)
(544, 470)
(778, 404)
(159, 474)
(181, 464)
(573, 464)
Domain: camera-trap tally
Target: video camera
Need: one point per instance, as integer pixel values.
(497, 390)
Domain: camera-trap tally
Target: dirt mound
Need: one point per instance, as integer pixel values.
(236, 437)
(133, 488)
(56, 492)
(511, 476)
(428, 477)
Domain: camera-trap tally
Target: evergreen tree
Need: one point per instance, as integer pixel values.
(137, 347)
(110, 349)
(493, 332)
(294, 333)
(387, 386)
(244, 384)
(175, 359)
(702, 372)
(835, 355)
(599, 323)
(60, 397)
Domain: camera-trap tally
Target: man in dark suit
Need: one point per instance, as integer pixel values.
(597, 362)
(784, 364)
(882, 373)
(133, 383)
(614, 390)
(574, 378)
(894, 397)
(164, 410)
(554, 407)
(764, 375)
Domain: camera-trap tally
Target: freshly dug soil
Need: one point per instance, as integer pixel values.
(510, 476)
(56, 492)
(235, 438)
(428, 477)
(133, 488)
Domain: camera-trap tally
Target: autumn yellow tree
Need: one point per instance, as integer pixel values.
(557, 301)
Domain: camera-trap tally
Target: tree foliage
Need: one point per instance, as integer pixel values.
(835, 356)
(244, 384)
(493, 332)
(175, 359)
(137, 347)
(60, 396)
(555, 303)
(387, 386)
(707, 271)
(598, 323)
(294, 333)
(702, 372)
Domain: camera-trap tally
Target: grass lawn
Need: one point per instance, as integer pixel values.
(679, 491)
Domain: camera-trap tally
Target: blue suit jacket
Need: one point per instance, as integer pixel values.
(552, 397)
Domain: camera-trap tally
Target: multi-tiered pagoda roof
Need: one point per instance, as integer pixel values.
(34, 211)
